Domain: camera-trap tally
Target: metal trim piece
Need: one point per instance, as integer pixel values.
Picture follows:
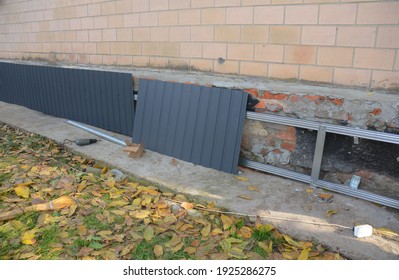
(314, 178)
(98, 133)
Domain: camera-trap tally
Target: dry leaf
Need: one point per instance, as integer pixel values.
(127, 249)
(22, 191)
(304, 255)
(227, 221)
(158, 250)
(187, 205)
(28, 237)
(206, 230)
(329, 213)
(72, 210)
(149, 233)
(309, 190)
(253, 188)
(245, 197)
(325, 196)
(246, 232)
(241, 178)
(190, 250)
(174, 162)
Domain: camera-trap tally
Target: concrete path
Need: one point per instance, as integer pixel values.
(277, 199)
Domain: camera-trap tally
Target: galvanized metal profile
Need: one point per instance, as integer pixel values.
(276, 170)
(358, 193)
(197, 124)
(322, 129)
(102, 99)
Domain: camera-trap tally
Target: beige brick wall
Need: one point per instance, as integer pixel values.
(343, 42)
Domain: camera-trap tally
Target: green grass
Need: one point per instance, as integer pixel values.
(91, 222)
(48, 237)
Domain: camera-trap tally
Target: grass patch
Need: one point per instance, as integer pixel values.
(47, 238)
(91, 222)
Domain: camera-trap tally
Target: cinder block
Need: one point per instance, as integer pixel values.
(149, 19)
(285, 34)
(82, 36)
(202, 3)
(306, 14)
(109, 59)
(300, 54)
(94, 9)
(180, 34)
(228, 67)
(179, 4)
(378, 13)
(109, 35)
(96, 59)
(123, 6)
(140, 6)
(269, 53)
(178, 63)
(141, 34)
(338, 14)
(108, 8)
(331, 56)
(90, 48)
(118, 48)
(227, 33)
(283, 71)
(191, 50)
(227, 3)
(133, 48)
(103, 48)
(352, 77)
(190, 17)
(269, 15)
(254, 2)
(388, 36)
(213, 16)
(318, 35)
(95, 36)
(356, 36)
(141, 61)
(202, 33)
(201, 64)
(150, 49)
(316, 73)
(241, 15)
(129, 20)
(385, 79)
(382, 59)
(159, 5)
(124, 34)
(124, 60)
(116, 21)
(101, 22)
(159, 34)
(240, 51)
(254, 33)
(214, 50)
(169, 49)
(168, 18)
(253, 69)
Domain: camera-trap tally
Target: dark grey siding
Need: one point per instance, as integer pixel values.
(198, 124)
(99, 98)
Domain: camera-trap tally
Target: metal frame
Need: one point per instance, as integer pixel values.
(322, 130)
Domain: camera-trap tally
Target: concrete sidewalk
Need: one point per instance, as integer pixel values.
(277, 197)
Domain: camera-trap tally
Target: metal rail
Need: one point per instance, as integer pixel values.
(322, 129)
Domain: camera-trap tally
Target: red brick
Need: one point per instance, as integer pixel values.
(318, 99)
(376, 111)
(336, 101)
(288, 135)
(252, 91)
(276, 96)
(288, 146)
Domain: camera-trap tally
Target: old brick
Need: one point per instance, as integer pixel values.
(288, 146)
(318, 99)
(276, 96)
(376, 111)
(252, 91)
(288, 135)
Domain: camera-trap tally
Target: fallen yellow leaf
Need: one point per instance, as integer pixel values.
(304, 255)
(253, 188)
(241, 178)
(206, 230)
(227, 221)
(246, 232)
(187, 205)
(329, 213)
(149, 233)
(28, 237)
(158, 250)
(22, 191)
(245, 197)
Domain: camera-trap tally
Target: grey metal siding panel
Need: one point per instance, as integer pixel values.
(197, 124)
(99, 98)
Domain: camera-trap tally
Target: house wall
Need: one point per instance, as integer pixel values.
(346, 42)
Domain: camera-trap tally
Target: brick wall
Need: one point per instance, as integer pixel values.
(345, 42)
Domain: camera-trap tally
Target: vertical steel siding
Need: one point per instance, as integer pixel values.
(198, 124)
(99, 98)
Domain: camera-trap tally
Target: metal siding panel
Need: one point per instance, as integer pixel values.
(118, 98)
(221, 129)
(194, 123)
(229, 161)
(128, 104)
(139, 114)
(188, 138)
(165, 116)
(199, 134)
